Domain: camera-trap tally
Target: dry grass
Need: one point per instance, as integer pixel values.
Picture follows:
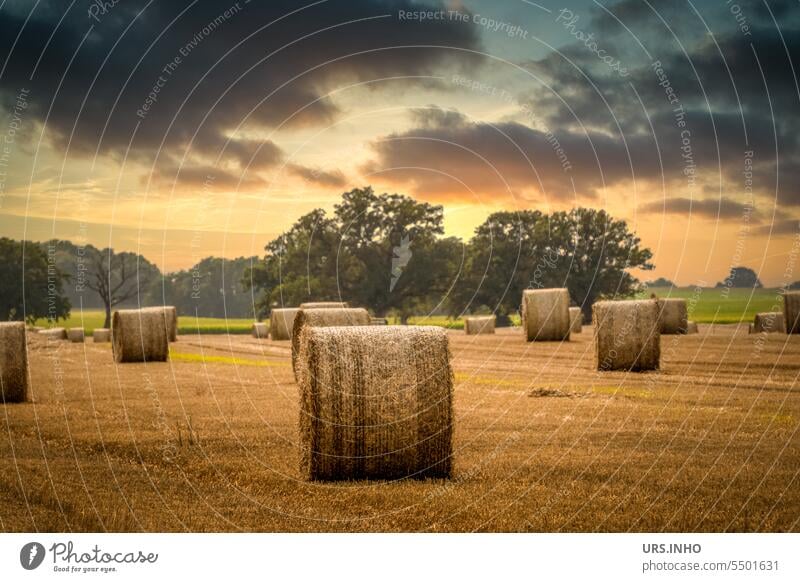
(208, 443)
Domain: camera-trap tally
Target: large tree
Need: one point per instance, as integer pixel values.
(119, 277)
(741, 277)
(31, 285)
(382, 251)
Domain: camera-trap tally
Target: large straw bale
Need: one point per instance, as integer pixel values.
(325, 305)
(260, 330)
(479, 324)
(769, 322)
(545, 314)
(54, 333)
(101, 335)
(376, 403)
(791, 311)
(13, 362)
(281, 322)
(626, 335)
(576, 320)
(140, 335)
(325, 318)
(171, 314)
(674, 316)
(76, 335)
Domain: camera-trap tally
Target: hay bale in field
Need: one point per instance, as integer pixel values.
(13, 362)
(325, 305)
(769, 322)
(545, 314)
(479, 324)
(171, 314)
(324, 318)
(376, 403)
(691, 327)
(674, 316)
(626, 335)
(260, 330)
(54, 333)
(75, 335)
(576, 320)
(101, 335)
(281, 322)
(379, 321)
(140, 335)
(791, 311)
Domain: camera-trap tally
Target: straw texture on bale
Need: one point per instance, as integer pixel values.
(140, 335)
(281, 322)
(75, 335)
(171, 314)
(376, 403)
(479, 324)
(576, 320)
(769, 322)
(691, 327)
(325, 305)
(674, 316)
(260, 330)
(56, 333)
(325, 318)
(626, 335)
(545, 314)
(13, 362)
(101, 335)
(791, 311)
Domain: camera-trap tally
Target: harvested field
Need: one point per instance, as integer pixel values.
(209, 441)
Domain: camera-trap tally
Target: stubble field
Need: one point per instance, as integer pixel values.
(543, 442)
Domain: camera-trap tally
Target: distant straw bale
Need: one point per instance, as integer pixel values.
(54, 333)
(576, 320)
(791, 311)
(626, 335)
(76, 335)
(13, 362)
(479, 324)
(376, 403)
(769, 322)
(674, 316)
(379, 321)
(325, 318)
(691, 327)
(281, 323)
(101, 335)
(260, 330)
(545, 314)
(140, 335)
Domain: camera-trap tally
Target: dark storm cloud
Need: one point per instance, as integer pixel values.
(722, 208)
(160, 75)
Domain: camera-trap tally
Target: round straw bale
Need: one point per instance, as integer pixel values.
(55, 333)
(379, 321)
(479, 324)
(325, 318)
(576, 320)
(171, 320)
(260, 330)
(376, 403)
(626, 335)
(674, 316)
(101, 335)
(140, 335)
(769, 322)
(281, 322)
(545, 314)
(325, 305)
(791, 311)
(691, 327)
(13, 362)
(75, 335)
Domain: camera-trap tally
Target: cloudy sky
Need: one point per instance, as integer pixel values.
(186, 129)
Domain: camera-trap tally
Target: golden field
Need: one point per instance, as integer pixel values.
(543, 442)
